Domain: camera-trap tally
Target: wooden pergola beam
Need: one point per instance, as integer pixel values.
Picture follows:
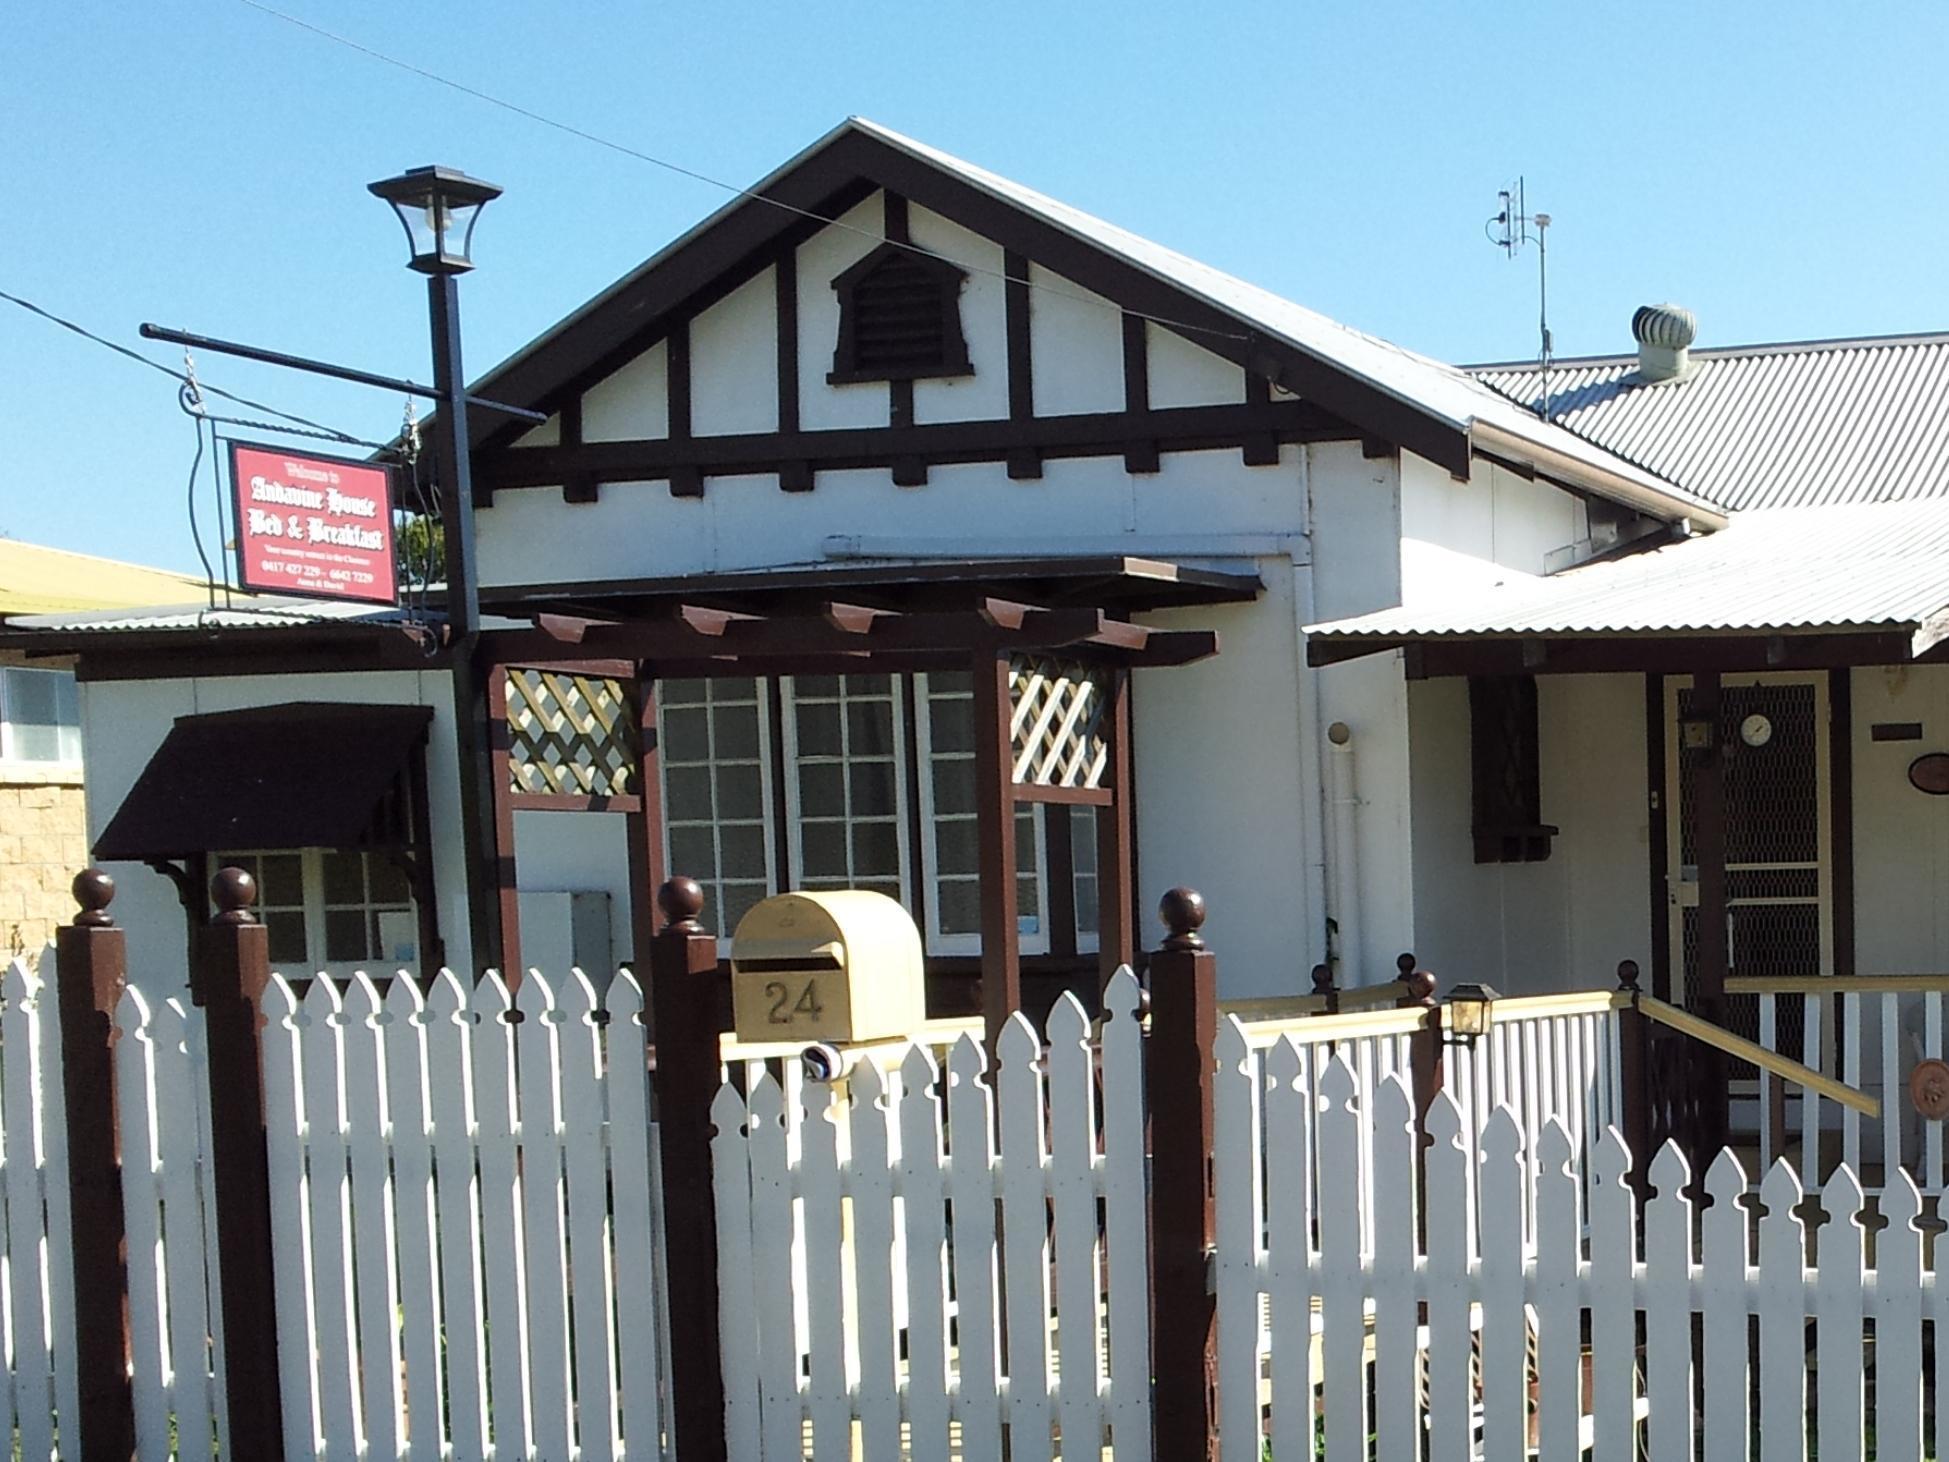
(1582, 655)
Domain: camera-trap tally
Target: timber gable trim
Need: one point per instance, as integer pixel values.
(748, 236)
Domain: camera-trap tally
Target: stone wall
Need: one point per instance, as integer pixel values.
(43, 844)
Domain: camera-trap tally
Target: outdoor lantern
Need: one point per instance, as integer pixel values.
(1471, 1011)
(438, 208)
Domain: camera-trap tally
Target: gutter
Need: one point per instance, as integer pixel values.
(1661, 502)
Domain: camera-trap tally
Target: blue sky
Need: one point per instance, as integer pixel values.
(1778, 167)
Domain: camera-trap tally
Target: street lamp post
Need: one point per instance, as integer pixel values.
(438, 208)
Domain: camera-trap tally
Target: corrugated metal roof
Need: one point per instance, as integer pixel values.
(1774, 426)
(1861, 566)
(38, 580)
(244, 613)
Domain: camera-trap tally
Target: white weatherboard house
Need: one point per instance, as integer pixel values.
(1526, 688)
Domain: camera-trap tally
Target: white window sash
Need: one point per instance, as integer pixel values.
(766, 795)
(794, 809)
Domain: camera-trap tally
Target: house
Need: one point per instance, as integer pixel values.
(43, 816)
(1378, 652)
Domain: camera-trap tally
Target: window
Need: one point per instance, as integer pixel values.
(714, 748)
(1082, 853)
(1504, 749)
(899, 318)
(950, 825)
(332, 910)
(40, 716)
(843, 781)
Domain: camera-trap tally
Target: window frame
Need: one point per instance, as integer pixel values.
(788, 699)
(315, 907)
(767, 789)
(969, 943)
(10, 755)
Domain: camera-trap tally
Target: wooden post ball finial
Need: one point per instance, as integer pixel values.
(1421, 987)
(1322, 979)
(1627, 974)
(233, 891)
(1183, 913)
(94, 890)
(681, 900)
(1404, 966)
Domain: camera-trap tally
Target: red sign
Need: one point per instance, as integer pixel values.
(317, 526)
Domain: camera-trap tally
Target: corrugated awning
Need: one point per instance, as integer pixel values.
(1876, 568)
(299, 775)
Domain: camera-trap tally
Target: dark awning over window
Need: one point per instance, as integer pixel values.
(299, 775)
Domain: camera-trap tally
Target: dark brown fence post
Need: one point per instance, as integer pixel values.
(1324, 987)
(1634, 1075)
(234, 967)
(1424, 1049)
(1178, 1082)
(91, 963)
(683, 1000)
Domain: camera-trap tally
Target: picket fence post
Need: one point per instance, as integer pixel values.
(1634, 1074)
(234, 969)
(91, 965)
(683, 1000)
(1178, 1079)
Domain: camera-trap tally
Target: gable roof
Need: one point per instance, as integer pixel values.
(1802, 424)
(1435, 410)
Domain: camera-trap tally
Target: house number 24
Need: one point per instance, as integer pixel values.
(786, 1007)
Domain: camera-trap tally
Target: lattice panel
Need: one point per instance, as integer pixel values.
(1056, 723)
(569, 734)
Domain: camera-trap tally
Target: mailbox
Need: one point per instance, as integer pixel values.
(841, 966)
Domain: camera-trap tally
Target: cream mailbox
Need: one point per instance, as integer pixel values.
(842, 966)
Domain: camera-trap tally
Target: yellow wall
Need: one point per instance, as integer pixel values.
(43, 844)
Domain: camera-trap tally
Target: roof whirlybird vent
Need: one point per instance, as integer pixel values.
(1664, 334)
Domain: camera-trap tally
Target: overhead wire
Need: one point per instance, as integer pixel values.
(734, 189)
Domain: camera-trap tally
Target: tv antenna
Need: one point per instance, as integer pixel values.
(1512, 228)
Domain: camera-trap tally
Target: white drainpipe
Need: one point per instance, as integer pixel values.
(1343, 862)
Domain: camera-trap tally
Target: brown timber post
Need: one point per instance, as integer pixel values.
(1116, 898)
(683, 1001)
(1001, 935)
(1178, 1081)
(91, 963)
(1324, 987)
(234, 966)
(1424, 1046)
(1634, 1075)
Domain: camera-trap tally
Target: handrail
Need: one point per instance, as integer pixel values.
(1835, 984)
(1351, 1026)
(1508, 1008)
(1290, 1007)
(1703, 1030)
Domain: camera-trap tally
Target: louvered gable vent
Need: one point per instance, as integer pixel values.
(899, 318)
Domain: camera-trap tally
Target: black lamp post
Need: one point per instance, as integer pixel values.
(438, 208)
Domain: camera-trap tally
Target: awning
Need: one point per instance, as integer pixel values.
(298, 775)
(1880, 569)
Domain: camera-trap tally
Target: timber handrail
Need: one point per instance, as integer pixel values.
(1772, 1062)
(1348, 1026)
(1291, 1007)
(1836, 984)
(1510, 1008)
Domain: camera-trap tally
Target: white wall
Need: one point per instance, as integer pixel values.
(578, 852)
(1465, 535)
(1901, 836)
(734, 361)
(984, 324)
(1562, 923)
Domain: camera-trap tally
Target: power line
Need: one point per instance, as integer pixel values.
(304, 425)
(694, 175)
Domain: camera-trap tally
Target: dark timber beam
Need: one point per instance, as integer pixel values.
(1091, 434)
(1530, 656)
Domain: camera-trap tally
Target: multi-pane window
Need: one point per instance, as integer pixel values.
(40, 715)
(715, 755)
(326, 909)
(951, 824)
(843, 778)
(1082, 854)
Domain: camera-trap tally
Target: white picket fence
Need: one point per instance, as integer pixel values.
(1311, 1310)
(846, 1218)
(465, 1222)
(37, 1371)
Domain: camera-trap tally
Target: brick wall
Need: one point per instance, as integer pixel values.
(43, 844)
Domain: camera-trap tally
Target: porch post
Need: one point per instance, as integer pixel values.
(1634, 1075)
(235, 969)
(1424, 1056)
(507, 901)
(1001, 942)
(683, 1002)
(1178, 1074)
(1116, 873)
(91, 963)
(645, 825)
(1710, 943)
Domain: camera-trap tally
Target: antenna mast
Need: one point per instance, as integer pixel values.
(1513, 227)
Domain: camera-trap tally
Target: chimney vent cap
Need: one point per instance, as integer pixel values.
(1672, 326)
